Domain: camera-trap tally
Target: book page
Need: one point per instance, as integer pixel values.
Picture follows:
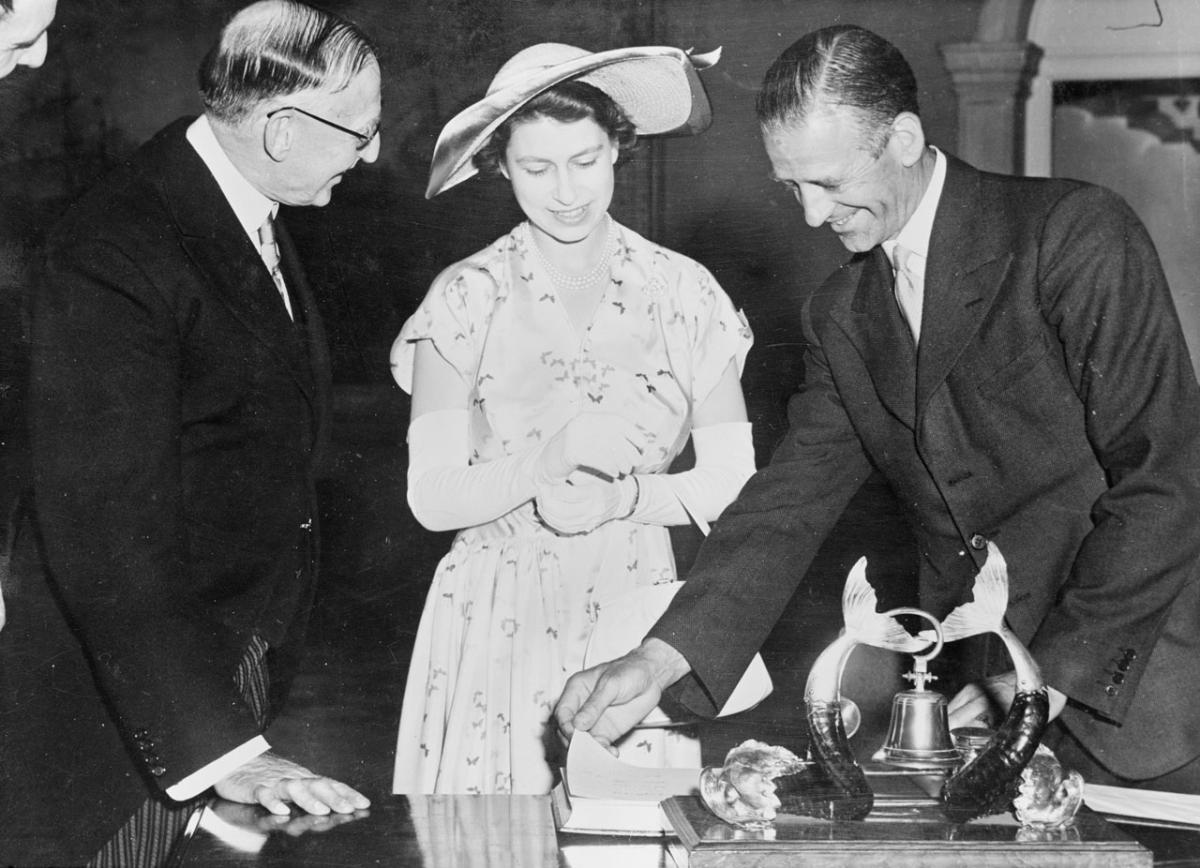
(594, 773)
(1146, 804)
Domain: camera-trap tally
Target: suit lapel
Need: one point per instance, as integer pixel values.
(311, 329)
(965, 269)
(878, 330)
(221, 250)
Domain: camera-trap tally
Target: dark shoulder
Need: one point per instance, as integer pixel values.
(130, 197)
(1033, 201)
(989, 212)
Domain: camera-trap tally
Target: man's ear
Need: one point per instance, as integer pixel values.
(278, 135)
(908, 139)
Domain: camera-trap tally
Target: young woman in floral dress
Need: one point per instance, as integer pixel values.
(555, 375)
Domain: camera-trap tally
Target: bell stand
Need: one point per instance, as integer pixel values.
(919, 731)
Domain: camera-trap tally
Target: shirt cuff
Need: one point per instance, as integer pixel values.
(200, 780)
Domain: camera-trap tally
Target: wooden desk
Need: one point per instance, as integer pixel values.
(467, 832)
(417, 832)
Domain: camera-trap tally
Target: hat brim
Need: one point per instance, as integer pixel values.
(657, 87)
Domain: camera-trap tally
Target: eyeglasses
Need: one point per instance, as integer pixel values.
(363, 138)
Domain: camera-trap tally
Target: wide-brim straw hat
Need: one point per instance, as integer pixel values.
(657, 87)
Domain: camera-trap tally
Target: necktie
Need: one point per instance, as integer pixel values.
(270, 254)
(909, 276)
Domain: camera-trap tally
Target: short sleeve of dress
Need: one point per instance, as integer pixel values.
(453, 315)
(719, 331)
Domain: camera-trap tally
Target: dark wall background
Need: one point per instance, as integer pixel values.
(118, 70)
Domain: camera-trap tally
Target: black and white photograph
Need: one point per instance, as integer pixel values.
(553, 434)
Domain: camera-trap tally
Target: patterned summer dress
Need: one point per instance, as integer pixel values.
(512, 604)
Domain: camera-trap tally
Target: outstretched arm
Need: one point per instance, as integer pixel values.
(107, 379)
(612, 698)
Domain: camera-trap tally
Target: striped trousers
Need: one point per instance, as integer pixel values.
(149, 836)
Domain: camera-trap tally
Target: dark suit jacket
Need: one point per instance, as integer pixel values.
(176, 415)
(1051, 407)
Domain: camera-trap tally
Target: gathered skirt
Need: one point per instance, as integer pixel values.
(506, 622)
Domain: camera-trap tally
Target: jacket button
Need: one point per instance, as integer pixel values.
(158, 771)
(1111, 691)
(1118, 677)
(978, 542)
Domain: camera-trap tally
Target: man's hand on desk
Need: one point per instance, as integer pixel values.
(273, 782)
(250, 818)
(985, 703)
(612, 698)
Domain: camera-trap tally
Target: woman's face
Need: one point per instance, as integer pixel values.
(562, 175)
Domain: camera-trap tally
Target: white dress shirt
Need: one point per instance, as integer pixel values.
(915, 235)
(251, 207)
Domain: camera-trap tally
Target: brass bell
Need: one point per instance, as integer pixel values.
(919, 733)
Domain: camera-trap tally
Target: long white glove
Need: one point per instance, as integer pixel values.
(446, 492)
(724, 461)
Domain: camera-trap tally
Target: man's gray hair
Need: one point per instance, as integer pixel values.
(277, 48)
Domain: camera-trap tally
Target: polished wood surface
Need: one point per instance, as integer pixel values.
(518, 832)
(460, 831)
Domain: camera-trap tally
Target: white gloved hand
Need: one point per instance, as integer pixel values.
(604, 442)
(584, 501)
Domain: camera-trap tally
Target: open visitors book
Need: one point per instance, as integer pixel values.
(599, 794)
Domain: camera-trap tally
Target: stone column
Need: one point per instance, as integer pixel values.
(992, 81)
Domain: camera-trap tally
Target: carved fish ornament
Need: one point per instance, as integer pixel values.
(833, 785)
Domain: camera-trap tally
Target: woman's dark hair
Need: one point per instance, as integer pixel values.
(565, 102)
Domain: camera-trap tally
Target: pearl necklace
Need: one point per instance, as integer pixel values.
(578, 282)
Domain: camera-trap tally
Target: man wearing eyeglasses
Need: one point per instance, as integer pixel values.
(179, 399)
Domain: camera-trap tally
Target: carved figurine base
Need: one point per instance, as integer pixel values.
(742, 792)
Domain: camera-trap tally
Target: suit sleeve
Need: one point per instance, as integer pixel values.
(760, 548)
(1103, 290)
(106, 421)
